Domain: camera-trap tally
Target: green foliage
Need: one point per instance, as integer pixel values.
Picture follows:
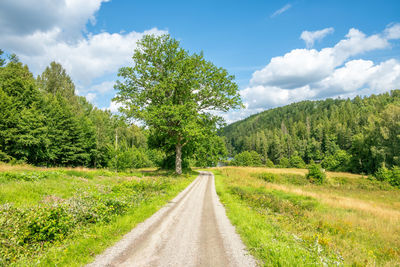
(392, 176)
(395, 179)
(173, 93)
(247, 158)
(284, 163)
(2, 60)
(316, 174)
(43, 122)
(27, 231)
(26, 176)
(383, 174)
(269, 163)
(340, 161)
(355, 135)
(296, 161)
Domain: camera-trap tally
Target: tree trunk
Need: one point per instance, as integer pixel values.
(178, 158)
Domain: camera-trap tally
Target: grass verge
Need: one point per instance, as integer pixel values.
(67, 218)
(285, 221)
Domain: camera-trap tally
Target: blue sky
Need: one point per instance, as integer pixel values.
(347, 47)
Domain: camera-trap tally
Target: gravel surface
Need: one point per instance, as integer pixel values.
(191, 230)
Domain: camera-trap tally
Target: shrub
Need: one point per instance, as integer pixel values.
(269, 163)
(383, 174)
(316, 174)
(247, 158)
(284, 163)
(340, 161)
(296, 161)
(395, 179)
(391, 176)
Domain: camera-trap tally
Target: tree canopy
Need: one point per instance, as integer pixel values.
(359, 135)
(43, 122)
(176, 95)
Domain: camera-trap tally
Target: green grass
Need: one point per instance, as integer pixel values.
(264, 238)
(287, 221)
(66, 217)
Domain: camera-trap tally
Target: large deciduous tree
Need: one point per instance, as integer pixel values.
(175, 93)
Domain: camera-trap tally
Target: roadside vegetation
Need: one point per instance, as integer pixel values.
(65, 216)
(287, 219)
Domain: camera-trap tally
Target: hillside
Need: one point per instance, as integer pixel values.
(358, 135)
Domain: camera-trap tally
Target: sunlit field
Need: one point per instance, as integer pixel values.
(286, 220)
(65, 216)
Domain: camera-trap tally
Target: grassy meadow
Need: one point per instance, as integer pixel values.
(65, 216)
(287, 221)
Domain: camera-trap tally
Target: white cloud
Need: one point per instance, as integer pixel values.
(91, 97)
(311, 37)
(85, 59)
(296, 68)
(330, 72)
(101, 88)
(114, 106)
(393, 32)
(23, 17)
(300, 67)
(281, 10)
(54, 31)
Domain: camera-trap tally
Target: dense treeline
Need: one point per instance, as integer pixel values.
(43, 122)
(361, 135)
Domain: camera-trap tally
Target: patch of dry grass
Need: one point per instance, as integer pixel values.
(357, 217)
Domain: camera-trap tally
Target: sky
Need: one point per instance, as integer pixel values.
(279, 51)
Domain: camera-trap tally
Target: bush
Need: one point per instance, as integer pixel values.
(296, 162)
(395, 179)
(391, 176)
(247, 158)
(383, 174)
(269, 163)
(340, 161)
(316, 174)
(4, 157)
(284, 163)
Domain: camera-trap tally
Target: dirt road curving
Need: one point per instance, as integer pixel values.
(191, 230)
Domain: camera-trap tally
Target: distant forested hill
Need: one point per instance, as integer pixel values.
(358, 135)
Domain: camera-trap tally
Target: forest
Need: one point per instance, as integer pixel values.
(360, 135)
(43, 122)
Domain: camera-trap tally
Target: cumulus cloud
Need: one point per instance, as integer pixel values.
(22, 17)
(281, 10)
(102, 88)
(393, 32)
(311, 37)
(330, 72)
(85, 59)
(114, 106)
(91, 97)
(55, 30)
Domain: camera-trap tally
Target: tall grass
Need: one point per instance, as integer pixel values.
(64, 216)
(349, 219)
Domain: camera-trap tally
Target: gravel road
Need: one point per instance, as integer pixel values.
(191, 230)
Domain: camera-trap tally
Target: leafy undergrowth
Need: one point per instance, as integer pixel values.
(65, 217)
(287, 221)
